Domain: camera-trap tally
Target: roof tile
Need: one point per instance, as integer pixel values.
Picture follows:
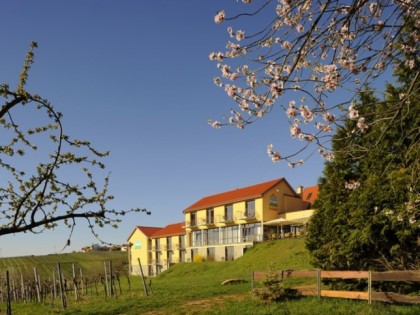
(233, 195)
(170, 230)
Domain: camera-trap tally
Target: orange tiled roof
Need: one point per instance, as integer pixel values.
(149, 230)
(146, 230)
(170, 230)
(310, 194)
(238, 194)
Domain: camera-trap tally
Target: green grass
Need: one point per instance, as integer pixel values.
(195, 288)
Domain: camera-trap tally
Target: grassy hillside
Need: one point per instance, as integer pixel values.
(195, 288)
(91, 263)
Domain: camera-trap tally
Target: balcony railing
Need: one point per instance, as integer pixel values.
(207, 221)
(247, 216)
(226, 219)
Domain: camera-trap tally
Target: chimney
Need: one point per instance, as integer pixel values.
(299, 190)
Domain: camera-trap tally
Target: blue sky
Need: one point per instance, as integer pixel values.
(134, 77)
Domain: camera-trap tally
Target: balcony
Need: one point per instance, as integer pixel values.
(207, 222)
(248, 216)
(190, 225)
(226, 220)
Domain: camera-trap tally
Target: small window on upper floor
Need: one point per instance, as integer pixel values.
(193, 219)
(228, 213)
(210, 216)
(250, 209)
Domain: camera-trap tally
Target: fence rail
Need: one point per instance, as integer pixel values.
(370, 276)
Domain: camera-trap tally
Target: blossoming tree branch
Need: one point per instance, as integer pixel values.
(47, 176)
(312, 59)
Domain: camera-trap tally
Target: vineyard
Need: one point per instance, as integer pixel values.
(90, 263)
(60, 277)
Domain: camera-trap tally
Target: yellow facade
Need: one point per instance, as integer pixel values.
(210, 233)
(139, 249)
(221, 227)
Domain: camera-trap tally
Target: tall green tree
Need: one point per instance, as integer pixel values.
(367, 213)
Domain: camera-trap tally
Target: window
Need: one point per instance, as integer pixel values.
(210, 216)
(251, 232)
(181, 256)
(250, 209)
(228, 213)
(169, 258)
(194, 253)
(211, 237)
(196, 238)
(182, 242)
(193, 219)
(211, 254)
(157, 244)
(229, 255)
(230, 234)
(169, 243)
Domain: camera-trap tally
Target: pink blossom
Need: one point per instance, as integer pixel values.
(214, 124)
(328, 117)
(294, 130)
(230, 90)
(353, 112)
(287, 69)
(240, 35)
(372, 7)
(361, 124)
(275, 156)
(300, 28)
(276, 88)
(216, 56)
(352, 184)
(233, 76)
(219, 17)
(306, 113)
(286, 45)
(291, 112)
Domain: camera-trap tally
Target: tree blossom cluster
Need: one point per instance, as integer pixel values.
(304, 54)
(35, 194)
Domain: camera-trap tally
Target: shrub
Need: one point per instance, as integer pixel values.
(198, 258)
(273, 289)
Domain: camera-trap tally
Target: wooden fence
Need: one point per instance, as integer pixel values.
(370, 276)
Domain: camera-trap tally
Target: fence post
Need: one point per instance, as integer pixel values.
(23, 291)
(318, 283)
(142, 277)
(9, 303)
(63, 294)
(37, 286)
(370, 287)
(107, 293)
(252, 280)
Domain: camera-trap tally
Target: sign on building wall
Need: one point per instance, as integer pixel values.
(137, 245)
(273, 204)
